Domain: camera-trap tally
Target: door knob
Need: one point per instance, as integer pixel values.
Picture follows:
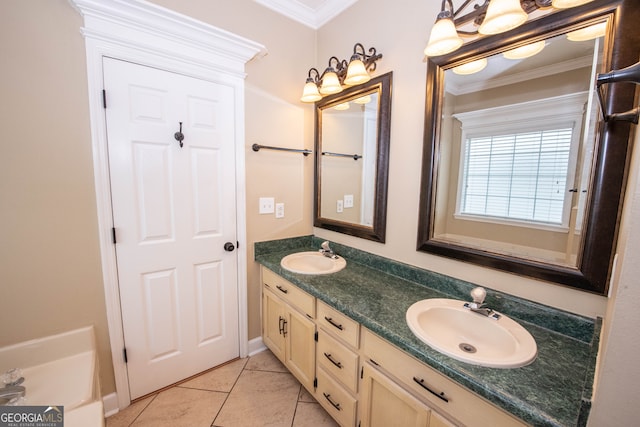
(229, 247)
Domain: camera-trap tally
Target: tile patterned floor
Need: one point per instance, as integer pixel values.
(251, 392)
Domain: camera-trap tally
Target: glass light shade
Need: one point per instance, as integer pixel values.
(343, 106)
(310, 93)
(502, 15)
(443, 38)
(471, 67)
(525, 51)
(356, 73)
(330, 83)
(588, 33)
(564, 4)
(363, 99)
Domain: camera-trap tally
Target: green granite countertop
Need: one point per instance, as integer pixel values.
(554, 390)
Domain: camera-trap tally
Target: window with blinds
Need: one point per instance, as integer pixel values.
(517, 176)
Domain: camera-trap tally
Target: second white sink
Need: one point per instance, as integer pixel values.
(450, 328)
(312, 263)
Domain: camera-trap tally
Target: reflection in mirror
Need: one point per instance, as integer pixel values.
(516, 150)
(348, 165)
(520, 172)
(352, 145)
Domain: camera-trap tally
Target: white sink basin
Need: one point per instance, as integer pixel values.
(312, 263)
(450, 328)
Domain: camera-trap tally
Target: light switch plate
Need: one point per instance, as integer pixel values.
(279, 210)
(340, 206)
(348, 200)
(266, 205)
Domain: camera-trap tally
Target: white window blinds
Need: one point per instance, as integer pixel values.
(518, 162)
(520, 176)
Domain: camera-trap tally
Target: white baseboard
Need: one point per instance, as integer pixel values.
(110, 404)
(256, 346)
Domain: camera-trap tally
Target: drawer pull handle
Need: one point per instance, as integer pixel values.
(328, 356)
(281, 289)
(438, 395)
(334, 324)
(334, 404)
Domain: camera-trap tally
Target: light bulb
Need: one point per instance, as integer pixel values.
(310, 92)
(588, 33)
(356, 73)
(330, 83)
(525, 51)
(443, 38)
(471, 67)
(502, 15)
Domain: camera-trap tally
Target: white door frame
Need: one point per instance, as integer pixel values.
(150, 35)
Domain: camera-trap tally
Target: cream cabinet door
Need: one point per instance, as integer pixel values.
(290, 335)
(273, 318)
(300, 351)
(384, 403)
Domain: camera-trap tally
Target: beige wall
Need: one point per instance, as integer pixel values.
(50, 272)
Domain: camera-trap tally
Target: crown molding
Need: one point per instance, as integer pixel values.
(306, 15)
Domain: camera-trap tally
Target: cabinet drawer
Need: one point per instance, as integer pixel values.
(338, 324)
(335, 399)
(338, 359)
(290, 293)
(436, 389)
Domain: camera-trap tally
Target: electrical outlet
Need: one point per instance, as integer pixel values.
(348, 201)
(340, 206)
(266, 205)
(279, 210)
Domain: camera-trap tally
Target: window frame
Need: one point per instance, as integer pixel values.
(566, 111)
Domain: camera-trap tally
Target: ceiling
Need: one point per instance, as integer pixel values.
(312, 13)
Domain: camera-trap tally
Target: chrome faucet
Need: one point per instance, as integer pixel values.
(326, 251)
(478, 306)
(12, 390)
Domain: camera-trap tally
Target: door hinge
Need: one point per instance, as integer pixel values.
(315, 336)
(104, 99)
(124, 354)
(315, 383)
(113, 235)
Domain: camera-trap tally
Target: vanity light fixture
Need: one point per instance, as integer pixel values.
(525, 51)
(340, 73)
(486, 17)
(341, 107)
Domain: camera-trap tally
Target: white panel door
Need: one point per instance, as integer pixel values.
(173, 211)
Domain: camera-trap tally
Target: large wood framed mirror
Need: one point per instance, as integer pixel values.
(352, 159)
(520, 171)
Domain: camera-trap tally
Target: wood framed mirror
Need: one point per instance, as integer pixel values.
(352, 130)
(554, 215)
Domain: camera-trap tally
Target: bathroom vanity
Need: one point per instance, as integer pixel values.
(344, 336)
